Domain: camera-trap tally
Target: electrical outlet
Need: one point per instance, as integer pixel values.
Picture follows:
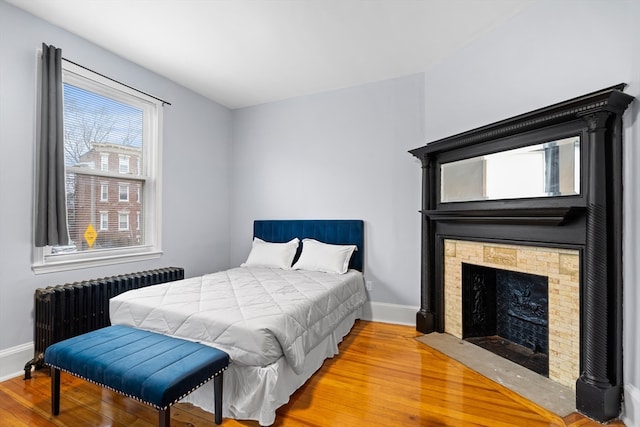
(369, 285)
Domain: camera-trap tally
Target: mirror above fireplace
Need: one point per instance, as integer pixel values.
(549, 169)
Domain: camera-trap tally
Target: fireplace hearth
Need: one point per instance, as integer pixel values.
(569, 198)
(523, 356)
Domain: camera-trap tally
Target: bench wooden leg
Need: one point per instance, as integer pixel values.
(217, 397)
(55, 391)
(164, 417)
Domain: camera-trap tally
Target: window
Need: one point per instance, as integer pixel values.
(123, 221)
(104, 192)
(105, 121)
(104, 221)
(124, 192)
(104, 162)
(123, 163)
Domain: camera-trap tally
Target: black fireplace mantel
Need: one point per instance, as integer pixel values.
(590, 222)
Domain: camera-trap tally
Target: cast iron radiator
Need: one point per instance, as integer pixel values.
(64, 311)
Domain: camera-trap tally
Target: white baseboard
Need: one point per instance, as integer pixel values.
(631, 407)
(12, 360)
(389, 313)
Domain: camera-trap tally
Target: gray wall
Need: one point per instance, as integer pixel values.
(197, 136)
(340, 154)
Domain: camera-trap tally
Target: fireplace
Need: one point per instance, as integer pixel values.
(562, 221)
(506, 312)
(559, 356)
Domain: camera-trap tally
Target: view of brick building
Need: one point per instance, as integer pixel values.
(106, 197)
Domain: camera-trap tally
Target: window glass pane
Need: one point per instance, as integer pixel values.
(99, 130)
(85, 210)
(104, 220)
(124, 192)
(123, 164)
(95, 124)
(123, 221)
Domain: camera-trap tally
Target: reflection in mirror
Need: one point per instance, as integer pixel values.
(542, 170)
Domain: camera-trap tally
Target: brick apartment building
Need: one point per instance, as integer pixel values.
(107, 197)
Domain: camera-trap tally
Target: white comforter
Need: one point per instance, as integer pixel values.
(254, 314)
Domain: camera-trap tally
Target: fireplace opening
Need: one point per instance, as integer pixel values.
(506, 312)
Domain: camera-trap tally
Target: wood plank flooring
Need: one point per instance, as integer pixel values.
(382, 377)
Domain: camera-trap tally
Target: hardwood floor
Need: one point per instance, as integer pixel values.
(382, 377)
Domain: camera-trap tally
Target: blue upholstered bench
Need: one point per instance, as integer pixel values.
(152, 368)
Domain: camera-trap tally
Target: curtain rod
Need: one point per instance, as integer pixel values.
(114, 80)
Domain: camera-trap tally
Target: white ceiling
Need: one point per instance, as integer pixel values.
(247, 52)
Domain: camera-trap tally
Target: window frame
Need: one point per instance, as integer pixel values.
(123, 214)
(125, 187)
(104, 162)
(44, 261)
(123, 160)
(104, 215)
(104, 195)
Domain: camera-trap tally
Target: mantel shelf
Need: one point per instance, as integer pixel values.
(531, 216)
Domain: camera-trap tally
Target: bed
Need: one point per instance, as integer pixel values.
(277, 323)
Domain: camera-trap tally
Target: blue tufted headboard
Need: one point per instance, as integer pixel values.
(334, 231)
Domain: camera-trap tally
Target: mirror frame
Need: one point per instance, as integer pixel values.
(565, 130)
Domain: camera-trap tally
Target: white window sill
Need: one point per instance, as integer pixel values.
(68, 264)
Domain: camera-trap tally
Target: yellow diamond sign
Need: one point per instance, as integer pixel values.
(90, 235)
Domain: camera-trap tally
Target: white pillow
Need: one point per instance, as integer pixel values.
(319, 256)
(273, 255)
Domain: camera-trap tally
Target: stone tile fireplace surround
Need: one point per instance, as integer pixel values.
(574, 238)
(561, 266)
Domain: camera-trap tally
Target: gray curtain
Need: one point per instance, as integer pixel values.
(51, 207)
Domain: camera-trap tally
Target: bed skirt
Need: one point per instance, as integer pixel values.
(254, 392)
